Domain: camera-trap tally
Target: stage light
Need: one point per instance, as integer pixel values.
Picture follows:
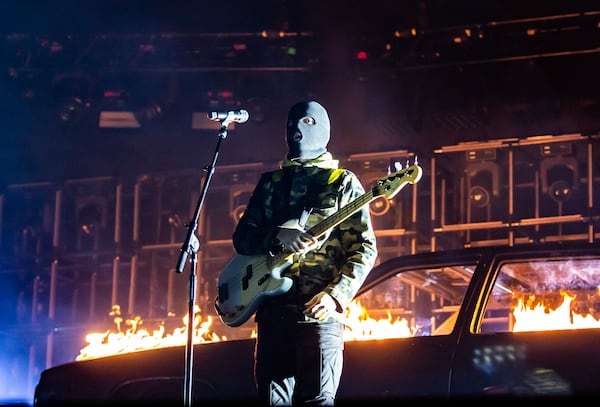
(362, 55)
(90, 217)
(405, 33)
(239, 195)
(72, 94)
(479, 196)
(113, 93)
(72, 110)
(174, 220)
(237, 212)
(90, 221)
(380, 207)
(116, 111)
(118, 119)
(483, 183)
(559, 177)
(560, 191)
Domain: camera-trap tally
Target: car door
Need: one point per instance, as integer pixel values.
(405, 346)
(535, 327)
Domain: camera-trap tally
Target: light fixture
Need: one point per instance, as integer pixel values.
(239, 195)
(71, 110)
(479, 196)
(90, 217)
(173, 220)
(90, 220)
(483, 182)
(380, 207)
(118, 119)
(72, 94)
(129, 119)
(559, 177)
(560, 191)
(116, 111)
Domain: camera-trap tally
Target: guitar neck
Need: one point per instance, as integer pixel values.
(330, 222)
(387, 187)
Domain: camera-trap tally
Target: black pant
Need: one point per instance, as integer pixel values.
(298, 363)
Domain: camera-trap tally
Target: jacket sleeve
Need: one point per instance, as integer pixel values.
(254, 233)
(360, 248)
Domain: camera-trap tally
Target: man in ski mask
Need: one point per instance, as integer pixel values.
(300, 341)
(308, 131)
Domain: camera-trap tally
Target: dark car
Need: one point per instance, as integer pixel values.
(480, 322)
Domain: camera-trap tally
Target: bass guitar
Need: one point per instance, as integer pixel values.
(247, 280)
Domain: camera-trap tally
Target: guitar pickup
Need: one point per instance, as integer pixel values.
(263, 279)
(247, 277)
(223, 293)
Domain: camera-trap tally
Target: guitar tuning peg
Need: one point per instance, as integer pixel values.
(416, 160)
(397, 166)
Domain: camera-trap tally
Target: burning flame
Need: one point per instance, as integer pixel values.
(360, 327)
(135, 338)
(532, 315)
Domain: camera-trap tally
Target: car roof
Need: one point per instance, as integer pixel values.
(397, 264)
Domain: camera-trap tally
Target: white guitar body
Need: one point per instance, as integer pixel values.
(244, 282)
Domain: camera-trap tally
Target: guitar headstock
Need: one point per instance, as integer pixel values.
(390, 185)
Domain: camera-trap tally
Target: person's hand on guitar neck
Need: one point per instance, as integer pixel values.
(292, 237)
(295, 240)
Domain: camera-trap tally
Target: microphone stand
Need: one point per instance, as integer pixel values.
(190, 247)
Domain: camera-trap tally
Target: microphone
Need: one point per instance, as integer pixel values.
(238, 116)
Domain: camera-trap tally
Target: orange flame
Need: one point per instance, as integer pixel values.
(135, 339)
(100, 344)
(532, 315)
(360, 327)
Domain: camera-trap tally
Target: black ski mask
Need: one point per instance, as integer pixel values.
(308, 130)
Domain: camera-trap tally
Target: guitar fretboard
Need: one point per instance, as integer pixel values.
(330, 222)
(395, 182)
(322, 227)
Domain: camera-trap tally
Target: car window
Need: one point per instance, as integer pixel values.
(416, 302)
(544, 294)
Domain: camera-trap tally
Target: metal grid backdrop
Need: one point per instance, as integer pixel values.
(534, 189)
(72, 250)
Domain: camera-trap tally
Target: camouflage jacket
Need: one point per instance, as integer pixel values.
(343, 256)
